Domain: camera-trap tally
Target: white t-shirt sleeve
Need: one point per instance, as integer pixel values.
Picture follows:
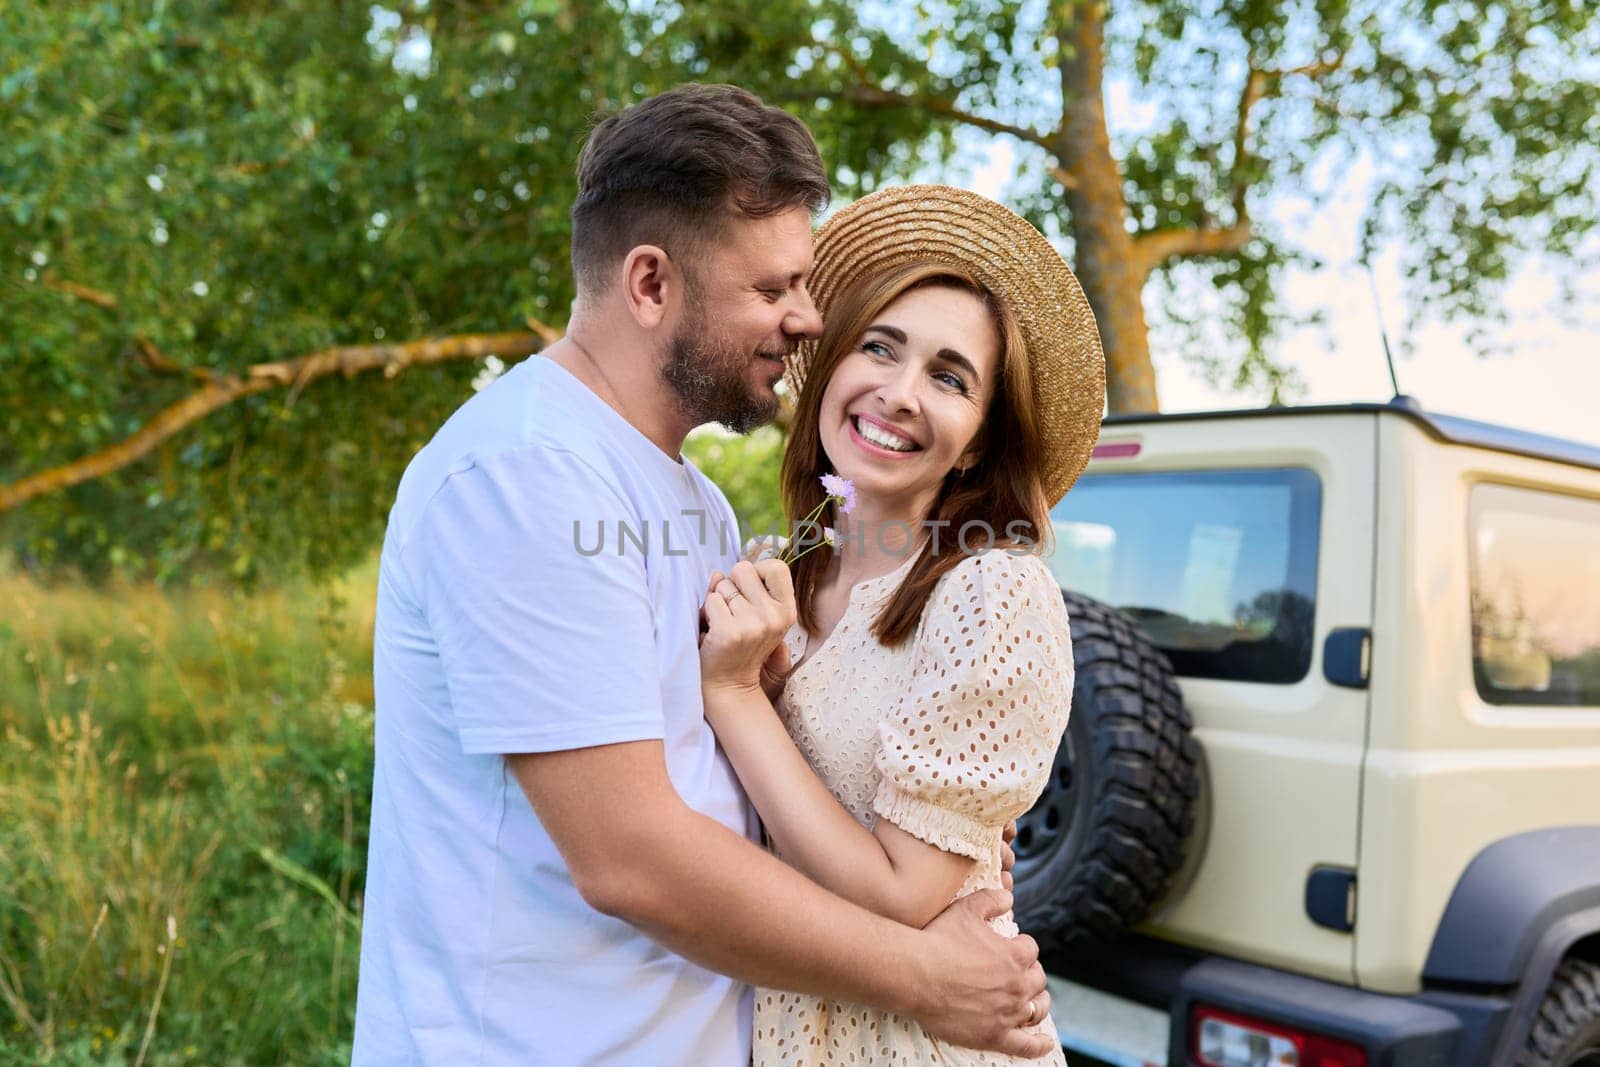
(544, 647)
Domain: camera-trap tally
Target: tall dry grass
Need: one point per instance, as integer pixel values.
(184, 781)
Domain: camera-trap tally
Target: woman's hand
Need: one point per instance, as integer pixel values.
(775, 672)
(746, 613)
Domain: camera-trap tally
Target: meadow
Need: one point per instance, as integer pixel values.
(184, 791)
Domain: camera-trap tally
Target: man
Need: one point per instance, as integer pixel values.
(560, 867)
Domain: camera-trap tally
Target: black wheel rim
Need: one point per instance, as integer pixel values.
(1044, 827)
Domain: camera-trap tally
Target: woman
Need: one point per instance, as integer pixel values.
(958, 388)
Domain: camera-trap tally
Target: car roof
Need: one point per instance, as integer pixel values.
(1449, 429)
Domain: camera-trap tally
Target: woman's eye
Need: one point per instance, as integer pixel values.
(952, 379)
(876, 348)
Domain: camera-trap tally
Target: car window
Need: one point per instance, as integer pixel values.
(1217, 567)
(1535, 596)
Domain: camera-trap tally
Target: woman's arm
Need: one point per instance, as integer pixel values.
(885, 870)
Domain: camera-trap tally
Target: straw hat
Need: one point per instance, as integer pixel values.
(1013, 261)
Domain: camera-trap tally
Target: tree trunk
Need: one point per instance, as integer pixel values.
(1111, 272)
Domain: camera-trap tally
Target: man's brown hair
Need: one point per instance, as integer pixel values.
(670, 171)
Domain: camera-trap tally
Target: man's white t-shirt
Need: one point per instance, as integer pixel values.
(539, 590)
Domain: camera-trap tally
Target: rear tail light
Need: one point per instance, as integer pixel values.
(1223, 1039)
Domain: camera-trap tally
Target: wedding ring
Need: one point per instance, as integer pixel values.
(1033, 1012)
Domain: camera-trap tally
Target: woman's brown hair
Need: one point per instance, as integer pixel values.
(1002, 490)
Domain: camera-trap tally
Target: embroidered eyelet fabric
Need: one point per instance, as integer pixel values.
(950, 736)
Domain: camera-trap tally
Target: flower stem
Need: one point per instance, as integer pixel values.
(809, 520)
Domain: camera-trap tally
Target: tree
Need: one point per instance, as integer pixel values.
(205, 209)
(1478, 119)
(252, 254)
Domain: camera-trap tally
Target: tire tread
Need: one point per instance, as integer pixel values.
(1568, 1018)
(1146, 778)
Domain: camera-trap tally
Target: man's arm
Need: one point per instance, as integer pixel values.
(636, 851)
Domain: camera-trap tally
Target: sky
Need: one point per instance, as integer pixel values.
(1547, 380)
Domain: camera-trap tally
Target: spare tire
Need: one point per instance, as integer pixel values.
(1106, 835)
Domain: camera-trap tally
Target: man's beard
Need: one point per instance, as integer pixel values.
(711, 379)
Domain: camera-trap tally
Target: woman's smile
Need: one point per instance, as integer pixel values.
(878, 437)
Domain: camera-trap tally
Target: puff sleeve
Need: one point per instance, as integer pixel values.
(970, 743)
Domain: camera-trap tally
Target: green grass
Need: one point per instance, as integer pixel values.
(184, 788)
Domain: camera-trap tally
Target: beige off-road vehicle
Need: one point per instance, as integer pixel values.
(1330, 793)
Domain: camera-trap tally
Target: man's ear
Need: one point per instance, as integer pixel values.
(651, 285)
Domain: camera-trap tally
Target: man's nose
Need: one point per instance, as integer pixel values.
(804, 320)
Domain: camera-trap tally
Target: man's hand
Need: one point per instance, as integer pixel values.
(980, 989)
(638, 853)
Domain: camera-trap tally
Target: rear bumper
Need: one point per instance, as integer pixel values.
(1431, 1029)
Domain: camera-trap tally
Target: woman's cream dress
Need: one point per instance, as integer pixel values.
(949, 737)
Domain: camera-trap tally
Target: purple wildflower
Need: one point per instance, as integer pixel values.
(841, 489)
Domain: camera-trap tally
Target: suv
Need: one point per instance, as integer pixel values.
(1330, 792)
